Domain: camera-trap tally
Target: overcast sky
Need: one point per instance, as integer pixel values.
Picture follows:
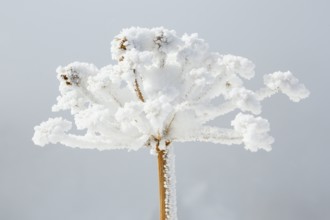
(214, 182)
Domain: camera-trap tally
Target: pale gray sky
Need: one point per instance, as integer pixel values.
(214, 182)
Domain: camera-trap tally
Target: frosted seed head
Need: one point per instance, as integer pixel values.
(51, 131)
(254, 131)
(287, 83)
(163, 86)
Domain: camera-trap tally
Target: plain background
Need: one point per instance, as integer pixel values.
(213, 181)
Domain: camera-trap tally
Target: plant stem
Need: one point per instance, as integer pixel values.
(167, 192)
(162, 190)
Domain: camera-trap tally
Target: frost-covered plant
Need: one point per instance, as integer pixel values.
(163, 89)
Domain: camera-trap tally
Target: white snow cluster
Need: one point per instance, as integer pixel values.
(163, 88)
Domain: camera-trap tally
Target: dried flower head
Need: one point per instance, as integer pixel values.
(162, 90)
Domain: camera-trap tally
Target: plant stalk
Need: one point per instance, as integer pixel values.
(162, 190)
(167, 192)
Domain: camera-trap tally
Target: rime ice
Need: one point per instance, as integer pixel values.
(162, 86)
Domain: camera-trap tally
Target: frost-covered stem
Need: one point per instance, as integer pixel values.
(162, 191)
(265, 93)
(167, 193)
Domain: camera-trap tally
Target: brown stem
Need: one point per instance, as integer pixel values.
(138, 91)
(137, 87)
(162, 190)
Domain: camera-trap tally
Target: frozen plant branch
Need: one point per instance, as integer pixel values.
(159, 75)
(163, 89)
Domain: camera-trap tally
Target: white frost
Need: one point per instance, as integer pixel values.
(162, 88)
(170, 182)
(51, 131)
(240, 65)
(254, 131)
(288, 84)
